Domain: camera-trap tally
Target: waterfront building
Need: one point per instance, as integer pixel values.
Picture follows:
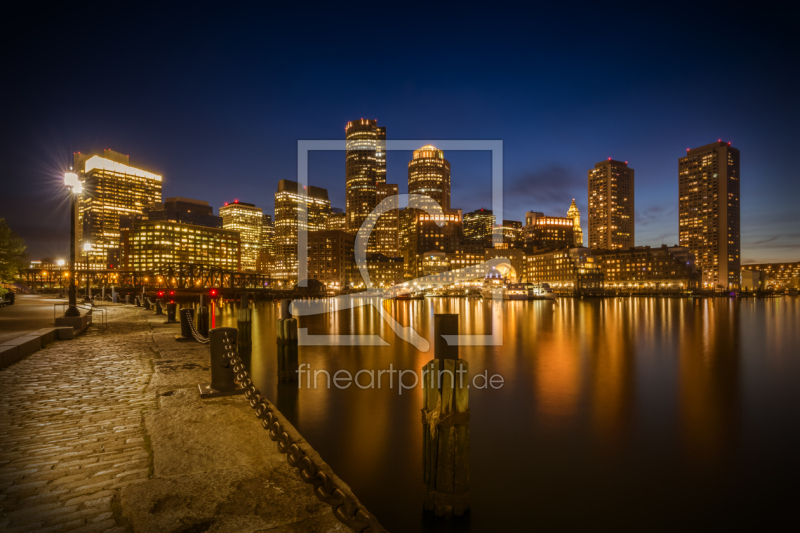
(753, 280)
(542, 231)
(184, 210)
(776, 275)
(434, 262)
(288, 205)
(365, 167)
(516, 257)
(569, 270)
(148, 245)
(384, 271)
(649, 269)
(577, 231)
(247, 219)
(112, 187)
(478, 225)
(467, 253)
(511, 230)
(337, 220)
(611, 206)
(709, 212)
(428, 236)
(331, 258)
(387, 229)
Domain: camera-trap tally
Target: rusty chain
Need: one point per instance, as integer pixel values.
(197, 336)
(345, 507)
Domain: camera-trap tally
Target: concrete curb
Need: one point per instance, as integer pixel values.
(14, 350)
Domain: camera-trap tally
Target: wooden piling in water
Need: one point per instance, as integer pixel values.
(445, 424)
(286, 339)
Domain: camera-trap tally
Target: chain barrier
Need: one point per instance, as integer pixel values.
(196, 334)
(346, 508)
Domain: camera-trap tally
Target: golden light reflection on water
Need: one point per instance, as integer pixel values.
(642, 382)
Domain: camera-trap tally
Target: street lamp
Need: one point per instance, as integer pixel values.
(71, 180)
(87, 247)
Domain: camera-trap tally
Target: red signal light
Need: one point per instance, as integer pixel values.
(213, 292)
(160, 294)
(172, 293)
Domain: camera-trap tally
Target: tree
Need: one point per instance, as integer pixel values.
(12, 254)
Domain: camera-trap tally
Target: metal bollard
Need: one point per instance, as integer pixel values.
(115, 298)
(159, 304)
(187, 315)
(172, 308)
(221, 342)
(137, 302)
(147, 305)
(445, 424)
(202, 320)
(127, 299)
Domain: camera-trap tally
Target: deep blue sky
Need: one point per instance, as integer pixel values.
(216, 99)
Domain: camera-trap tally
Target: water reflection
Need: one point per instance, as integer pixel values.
(637, 408)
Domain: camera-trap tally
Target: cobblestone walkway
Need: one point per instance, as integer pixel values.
(71, 430)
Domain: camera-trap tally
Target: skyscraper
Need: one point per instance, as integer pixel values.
(429, 175)
(112, 188)
(611, 207)
(363, 166)
(266, 252)
(288, 204)
(247, 219)
(709, 211)
(387, 240)
(575, 215)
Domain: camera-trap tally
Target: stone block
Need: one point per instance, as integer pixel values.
(8, 356)
(25, 344)
(65, 334)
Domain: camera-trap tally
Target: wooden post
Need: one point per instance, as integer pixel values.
(445, 424)
(244, 321)
(286, 333)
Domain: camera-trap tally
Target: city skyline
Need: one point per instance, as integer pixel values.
(547, 114)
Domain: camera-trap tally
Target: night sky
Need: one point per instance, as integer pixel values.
(216, 99)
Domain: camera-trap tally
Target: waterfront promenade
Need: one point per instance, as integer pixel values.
(107, 433)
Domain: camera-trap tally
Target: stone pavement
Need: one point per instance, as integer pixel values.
(107, 433)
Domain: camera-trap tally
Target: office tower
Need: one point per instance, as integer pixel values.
(611, 207)
(151, 245)
(185, 210)
(337, 220)
(288, 205)
(478, 225)
(266, 252)
(247, 219)
(511, 230)
(363, 168)
(429, 175)
(546, 232)
(575, 215)
(709, 211)
(112, 188)
(387, 229)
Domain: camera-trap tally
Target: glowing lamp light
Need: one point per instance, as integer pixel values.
(60, 262)
(71, 180)
(236, 201)
(87, 247)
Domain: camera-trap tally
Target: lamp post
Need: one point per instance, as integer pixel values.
(87, 247)
(71, 180)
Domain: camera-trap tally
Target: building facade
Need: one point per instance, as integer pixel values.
(611, 206)
(776, 275)
(266, 252)
(478, 225)
(331, 258)
(247, 219)
(336, 221)
(111, 188)
(544, 232)
(709, 212)
(569, 270)
(384, 271)
(184, 210)
(429, 175)
(387, 229)
(148, 245)
(288, 205)
(649, 269)
(428, 236)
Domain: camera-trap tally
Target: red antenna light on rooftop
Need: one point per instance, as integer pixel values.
(609, 159)
(236, 201)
